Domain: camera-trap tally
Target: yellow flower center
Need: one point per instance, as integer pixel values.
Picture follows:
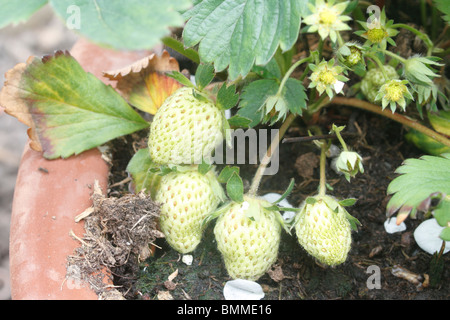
(394, 91)
(355, 56)
(327, 17)
(376, 35)
(327, 77)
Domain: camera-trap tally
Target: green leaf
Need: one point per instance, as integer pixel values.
(419, 180)
(204, 75)
(239, 122)
(143, 177)
(426, 143)
(235, 188)
(287, 192)
(254, 97)
(440, 121)
(227, 97)
(73, 110)
(131, 25)
(445, 234)
(444, 7)
(442, 212)
(226, 173)
(181, 78)
(295, 96)
(240, 33)
(204, 167)
(354, 223)
(347, 202)
(18, 11)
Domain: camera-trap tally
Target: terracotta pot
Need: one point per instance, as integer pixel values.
(48, 195)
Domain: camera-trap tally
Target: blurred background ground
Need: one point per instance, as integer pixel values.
(42, 34)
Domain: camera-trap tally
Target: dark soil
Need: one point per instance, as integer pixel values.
(296, 275)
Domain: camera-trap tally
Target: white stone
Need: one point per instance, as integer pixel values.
(390, 225)
(427, 236)
(187, 259)
(240, 289)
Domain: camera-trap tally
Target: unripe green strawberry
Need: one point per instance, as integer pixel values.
(186, 198)
(185, 129)
(248, 236)
(323, 230)
(374, 79)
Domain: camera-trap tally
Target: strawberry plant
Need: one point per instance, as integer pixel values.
(247, 65)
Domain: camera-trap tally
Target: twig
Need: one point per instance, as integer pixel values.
(353, 102)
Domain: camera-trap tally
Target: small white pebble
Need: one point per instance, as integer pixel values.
(240, 289)
(390, 225)
(187, 259)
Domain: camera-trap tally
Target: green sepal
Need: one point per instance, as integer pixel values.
(227, 97)
(204, 75)
(181, 78)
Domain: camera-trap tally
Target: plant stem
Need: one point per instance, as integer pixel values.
(395, 56)
(380, 65)
(323, 178)
(289, 72)
(344, 145)
(420, 34)
(357, 103)
(265, 161)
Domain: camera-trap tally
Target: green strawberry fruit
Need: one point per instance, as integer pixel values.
(186, 198)
(185, 129)
(323, 230)
(374, 79)
(248, 236)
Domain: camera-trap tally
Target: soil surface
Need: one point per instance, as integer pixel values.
(405, 271)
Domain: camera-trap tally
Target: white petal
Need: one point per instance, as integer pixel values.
(338, 86)
(427, 236)
(240, 289)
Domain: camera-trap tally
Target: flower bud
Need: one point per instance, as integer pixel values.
(349, 163)
(417, 70)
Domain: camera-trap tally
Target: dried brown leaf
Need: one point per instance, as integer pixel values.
(11, 100)
(144, 83)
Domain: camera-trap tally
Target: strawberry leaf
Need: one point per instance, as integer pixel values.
(444, 7)
(139, 168)
(419, 181)
(254, 97)
(68, 110)
(129, 24)
(18, 11)
(241, 33)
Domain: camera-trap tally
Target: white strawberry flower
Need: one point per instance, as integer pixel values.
(327, 18)
(326, 76)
